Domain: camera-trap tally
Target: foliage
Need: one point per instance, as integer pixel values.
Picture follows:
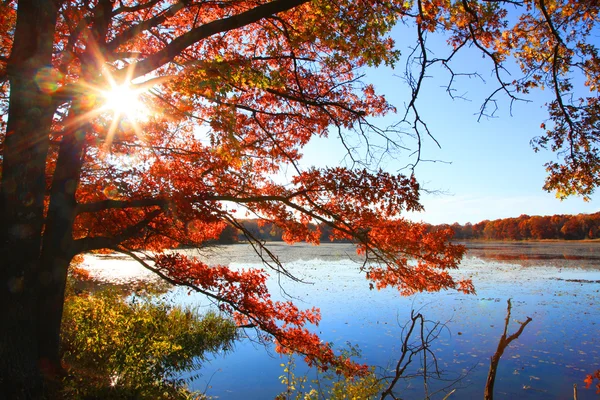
(328, 384)
(222, 96)
(135, 348)
(552, 44)
(564, 227)
(244, 295)
(589, 380)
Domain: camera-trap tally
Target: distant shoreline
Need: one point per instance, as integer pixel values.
(528, 240)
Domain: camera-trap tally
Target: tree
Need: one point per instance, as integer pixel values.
(219, 96)
(524, 229)
(574, 228)
(479, 229)
(541, 227)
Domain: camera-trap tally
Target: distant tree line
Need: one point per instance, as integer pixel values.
(524, 227)
(265, 231)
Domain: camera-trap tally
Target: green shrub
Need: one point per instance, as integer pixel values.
(115, 348)
(330, 385)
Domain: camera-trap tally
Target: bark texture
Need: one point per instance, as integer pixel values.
(22, 200)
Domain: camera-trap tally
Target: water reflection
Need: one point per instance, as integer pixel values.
(556, 285)
(552, 254)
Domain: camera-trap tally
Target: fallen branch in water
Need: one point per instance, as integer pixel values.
(502, 345)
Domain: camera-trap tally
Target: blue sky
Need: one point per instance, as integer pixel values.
(490, 170)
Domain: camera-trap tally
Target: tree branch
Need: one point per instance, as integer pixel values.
(179, 44)
(105, 242)
(138, 7)
(502, 345)
(135, 30)
(175, 47)
(120, 204)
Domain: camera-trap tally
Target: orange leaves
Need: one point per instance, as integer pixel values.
(365, 208)
(405, 256)
(7, 23)
(589, 380)
(242, 86)
(552, 44)
(245, 296)
(357, 195)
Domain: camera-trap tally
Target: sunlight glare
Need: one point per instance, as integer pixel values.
(125, 102)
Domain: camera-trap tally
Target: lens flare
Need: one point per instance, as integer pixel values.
(125, 102)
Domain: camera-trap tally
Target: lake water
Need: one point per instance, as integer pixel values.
(556, 284)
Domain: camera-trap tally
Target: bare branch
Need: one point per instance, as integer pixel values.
(502, 345)
(426, 332)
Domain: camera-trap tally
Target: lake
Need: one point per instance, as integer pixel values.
(557, 284)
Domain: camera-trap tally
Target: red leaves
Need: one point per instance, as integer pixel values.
(229, 110)
(409, 258)
(589, 380)
(244, 295)
(346, 191)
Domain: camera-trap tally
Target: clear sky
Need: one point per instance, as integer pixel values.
(490, 170)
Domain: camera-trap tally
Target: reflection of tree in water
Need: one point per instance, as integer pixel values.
(418, 336)
(551, 254)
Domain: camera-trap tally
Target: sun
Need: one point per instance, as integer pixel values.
(127, 106)
(125, 101)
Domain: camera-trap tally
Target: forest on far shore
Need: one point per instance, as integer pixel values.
(524, 227)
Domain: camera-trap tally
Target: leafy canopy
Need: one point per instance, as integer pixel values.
(222, 96)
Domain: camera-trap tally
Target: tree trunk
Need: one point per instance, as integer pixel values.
(57, 246)
(22, 193)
